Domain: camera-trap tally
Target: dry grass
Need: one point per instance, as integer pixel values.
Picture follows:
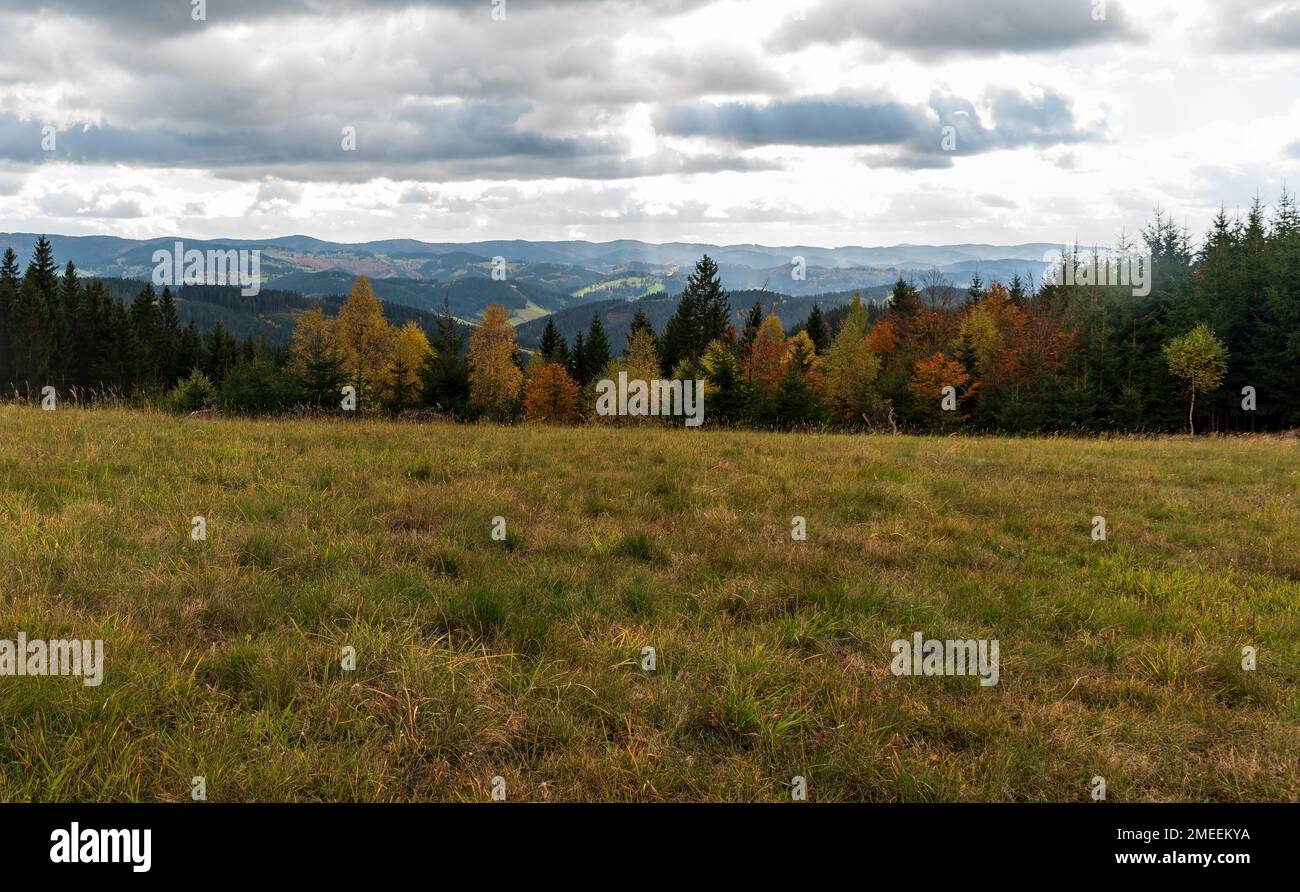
(521, 658)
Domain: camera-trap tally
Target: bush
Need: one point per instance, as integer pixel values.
(257, 387)
(194, 394)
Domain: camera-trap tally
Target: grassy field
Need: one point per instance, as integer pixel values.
(522, 658)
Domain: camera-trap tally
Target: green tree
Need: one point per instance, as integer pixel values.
(640, 323)
(817, 330)
(446, 373)
(1199, 360)
(702, 316)
(553, 348)
(597, 349)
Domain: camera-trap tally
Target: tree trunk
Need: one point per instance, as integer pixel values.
(1191, 423)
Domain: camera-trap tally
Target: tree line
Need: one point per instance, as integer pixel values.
(1214, 345)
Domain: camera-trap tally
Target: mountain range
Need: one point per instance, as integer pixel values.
(569, 280)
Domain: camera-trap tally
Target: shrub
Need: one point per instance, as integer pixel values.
(194, 394)
(257, 387)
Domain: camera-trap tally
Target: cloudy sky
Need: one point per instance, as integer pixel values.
(827, 122)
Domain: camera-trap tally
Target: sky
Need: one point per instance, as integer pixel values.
(841, 122)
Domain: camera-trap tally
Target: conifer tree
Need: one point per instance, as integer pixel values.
(315, 359)
(446, 372)
(817, 330)
(640, 322)
(597, 347)
(553, 348)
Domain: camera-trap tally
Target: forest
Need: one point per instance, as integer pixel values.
(1214, 347)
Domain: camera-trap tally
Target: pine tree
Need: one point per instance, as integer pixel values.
(578, 359)
(817, 330)
(796, 400)
(597, 347)
(703, 315)
(316, 361)
(169, 338)
(189, 350)
(1016, 292)
(9, 284)
(640, 322)
(220, 353)
(725, 386)
(553, 348)
(145, 319)
(446, 373)
(31, 333)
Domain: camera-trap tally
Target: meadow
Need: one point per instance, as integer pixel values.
(522, 658)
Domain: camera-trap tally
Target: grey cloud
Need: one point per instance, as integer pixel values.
(176, 16)
(1256, 25)
(800, 122)
(446, 142)
(101, 205)
(928, 28)
(906, 136)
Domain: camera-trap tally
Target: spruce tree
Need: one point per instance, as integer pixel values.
(8, 298)
(817, 330)
(703, 315)
(598, 352)
(640, 322)
(169, 338)
(31, 337)
(446, 373)
(553, 348)
(66, 320)
(1016, 291)
(578, 359)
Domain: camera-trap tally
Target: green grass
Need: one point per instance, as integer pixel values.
(522, 658)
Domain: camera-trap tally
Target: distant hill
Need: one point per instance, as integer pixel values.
(616, 315)
(547, 277)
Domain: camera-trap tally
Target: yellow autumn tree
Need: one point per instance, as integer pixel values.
(851, 367)
(493, 376)
(364, 340)
(641, 362)
(315, 360)
(410, 352)
(551, 395)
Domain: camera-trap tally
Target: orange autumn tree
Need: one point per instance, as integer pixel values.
(493, 376)
(882, 340)
(929, 378)
(552, 396)
(768, 356)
